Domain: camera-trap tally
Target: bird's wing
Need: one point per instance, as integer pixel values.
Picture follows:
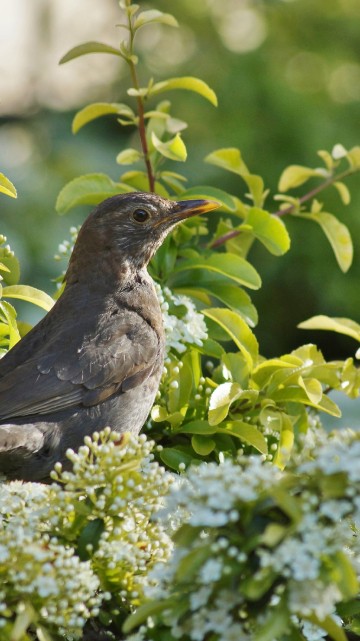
(69, 372)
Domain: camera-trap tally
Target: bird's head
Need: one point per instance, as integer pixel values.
(129, 228)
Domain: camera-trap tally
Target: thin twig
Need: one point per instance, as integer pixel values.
(287, 210)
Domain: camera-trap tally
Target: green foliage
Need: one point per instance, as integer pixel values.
(218, 395)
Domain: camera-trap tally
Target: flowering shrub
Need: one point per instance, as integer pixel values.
(261, 554)
(81, 549)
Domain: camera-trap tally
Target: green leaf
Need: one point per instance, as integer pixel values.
(228, 158)
(153, 15)
(337, 234)
(270, 230)
(143, 612)
(286, 441)
(329, 625)
(30, 294)
(221, 399)
(202, 445)
(139, 181)
(226, 201)
(89, 189)
(89, 47)
(274, 625)
(247, 433)
(98, 109)
(9, 314)
(238, 331)
(295, 394)
(173, 149)
(198, 427)
(173, 457)
(230, 265)
(312, 388)
(6, 187)
(343, 192)
(188, 83)
(340, 325)
(10, 267)
(296, 175)
(90, 534)
(353, 156)
(128, 156)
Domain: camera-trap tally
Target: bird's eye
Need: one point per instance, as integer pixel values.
(141, 215)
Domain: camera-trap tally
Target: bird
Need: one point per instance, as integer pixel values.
(96, 358)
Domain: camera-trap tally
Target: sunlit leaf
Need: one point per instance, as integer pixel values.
(89, 47)
(338, 235)
(153, 15)
(245, 432)
(270, 230)
(340, 325)
(128, 156)
(173, 149)
(353, 156)
(296, 175)
(228, 158)
(343, 191)
(89, 189)
(9, 314)
(30, 294)
(220, 401)
(238, 331)
(98, 109)
(286, 441)
(188, 83)
(6, 187)
(312, 388)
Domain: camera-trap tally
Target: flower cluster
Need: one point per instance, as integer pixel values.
(260, 548)
(39, 575)
(66, 247)
(183, 324)
(82, 547)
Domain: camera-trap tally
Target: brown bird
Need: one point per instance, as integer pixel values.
(96, 358)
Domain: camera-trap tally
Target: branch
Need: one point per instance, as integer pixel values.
(288, 210)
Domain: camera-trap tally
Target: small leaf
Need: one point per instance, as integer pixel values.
(228, 158)
(173, 457)
(312, 388)
(220, 401)
(340, 325)
(188, 83)
(6, 187)
(173, 149)
(98, 109)
(89, 47)
(338, 236)
(90, 535)
(286, 441)
(343, 191)
(296, 175)
(198, 427)
(89, 189)
(153, 15)
(30, 294)
(202, 445)
(128, 156)
(238, 331)
(144, 612)
(353, 157)
(270, 230)
(9, 314)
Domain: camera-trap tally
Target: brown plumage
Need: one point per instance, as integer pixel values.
(96, 358)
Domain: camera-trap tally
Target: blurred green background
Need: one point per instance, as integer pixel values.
(287, 75)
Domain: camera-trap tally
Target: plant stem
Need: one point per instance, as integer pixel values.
(140, 108)
(288, 210)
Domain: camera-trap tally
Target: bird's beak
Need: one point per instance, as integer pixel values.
(187, 208)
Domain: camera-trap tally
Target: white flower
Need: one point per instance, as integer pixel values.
(190, 328)
(211, 571)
